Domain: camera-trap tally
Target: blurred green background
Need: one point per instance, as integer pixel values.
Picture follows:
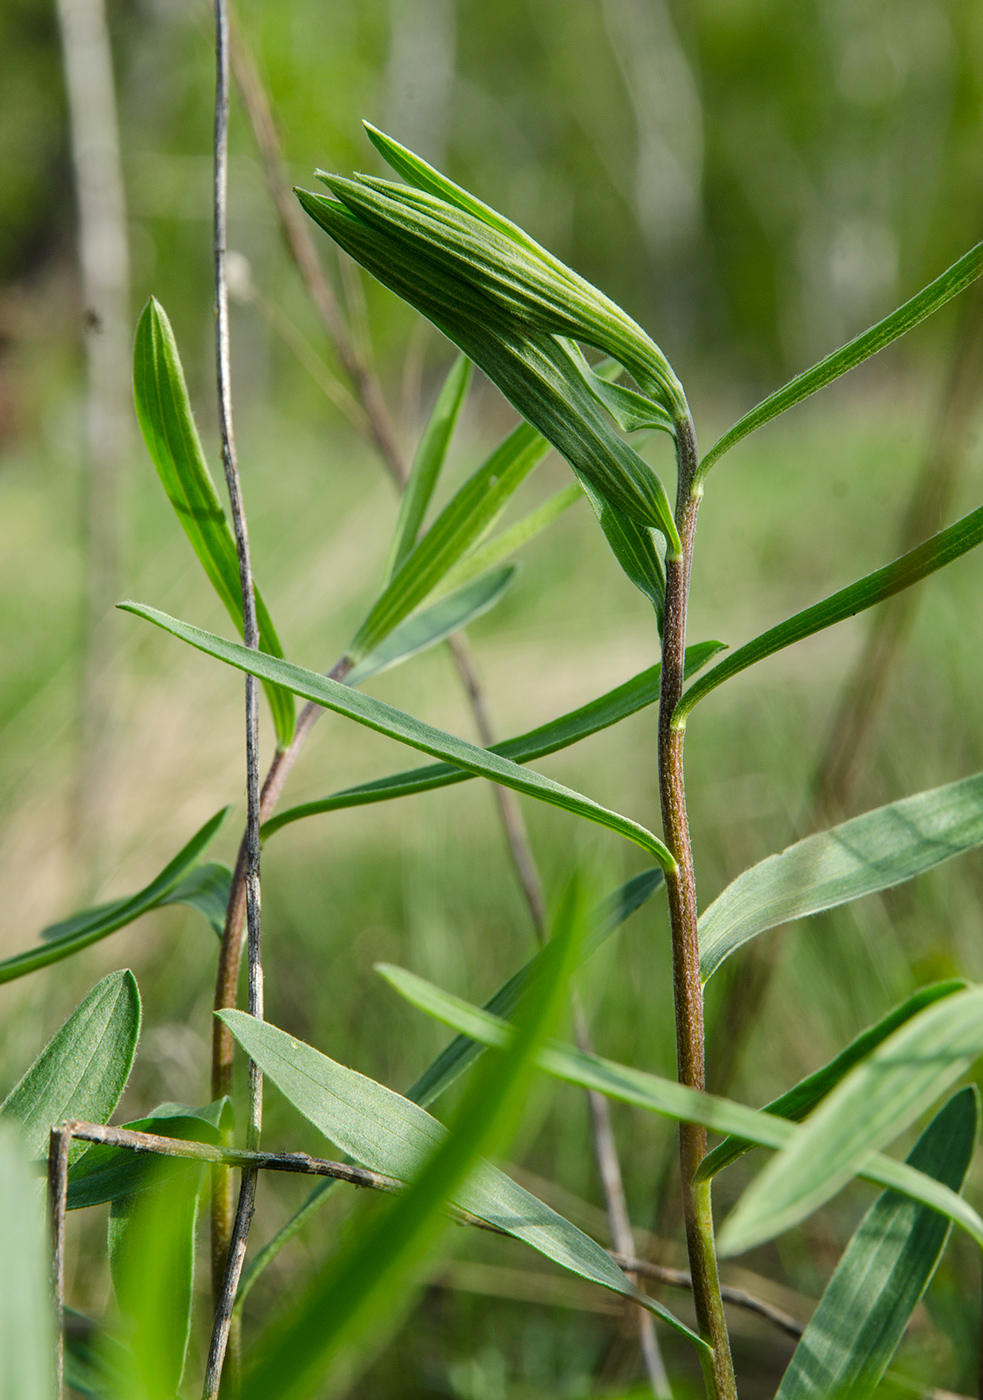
(754, 182)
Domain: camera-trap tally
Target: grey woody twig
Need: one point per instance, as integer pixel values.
(739, 1297)
(59, 1143)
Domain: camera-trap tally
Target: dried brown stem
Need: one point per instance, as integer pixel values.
(681, 892)
(59, 1142)
(740, 1297)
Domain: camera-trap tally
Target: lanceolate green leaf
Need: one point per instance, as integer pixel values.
(635, 549)
(871, 852)
(455, 1058)
(617, 704)
(425, 629)
(876, 1101)
(168, 427)
(428, 460)
(942, 549)
(505, 544)
(673, 1100)
(800, 1100)
(206, 888)
(27, 1333)
(385, 719)
(883, 1272)
(387, 1133)
(71, 935)
(954, 280)
(83, 1069)
(463, 520)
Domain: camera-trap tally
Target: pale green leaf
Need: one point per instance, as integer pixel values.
(27, 1333)
(486, 556)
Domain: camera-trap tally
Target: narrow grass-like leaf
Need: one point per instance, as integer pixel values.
(71, 935)
(938, 551)
(455, 1058)
(608, 709)
(152, 1257)
(83, 1069)
(635, 549)
(673, 1100)
(885, 1269)
(803, 1097)
(534, 370)
(875, 1102)
(881, 848)
(387, 1133)
(465, 518)
(386, 719)
(954, 280)
(505, 544)
(27, 1332)
(425, 629)
(428, 461)
(106, 1173)
(168, 427)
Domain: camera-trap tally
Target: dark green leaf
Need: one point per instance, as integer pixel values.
(949, 544)
(428, 461)
(673, 1100)
(432, 625)
(168, 427)
(83, 1070)
(385, 719)
(26, 1325)
(206, 888)
(71, 935)
(871, 852)
(617, 704)
(804, 1096)
(634, 546)
(872, 1105)
(954, 280)
(884, 1271)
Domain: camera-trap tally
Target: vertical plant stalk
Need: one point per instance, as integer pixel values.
(103, 255)
(681, 892)
(247, 1188)
(59, 1141)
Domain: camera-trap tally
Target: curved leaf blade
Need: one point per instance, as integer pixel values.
(429, 460)
(83, 1069)
(927, 558)
(206, 888)
(27, 1333)
(673, 1100)
(386, 719)
(875, 851)
(883, 1272)
(71, 935)
(486, 556)
(168, 427)
(608, 709)
(803, 1097)
(435, 624)
(876, 1101)
(388, 1133)
(954, 280)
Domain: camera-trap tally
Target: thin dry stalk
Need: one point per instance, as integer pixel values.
(739, 1297)
(59, 1143)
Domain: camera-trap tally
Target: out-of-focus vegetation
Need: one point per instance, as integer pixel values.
(754, 181)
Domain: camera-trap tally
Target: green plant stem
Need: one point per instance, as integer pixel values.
(681, 892)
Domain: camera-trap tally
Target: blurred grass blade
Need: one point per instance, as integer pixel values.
(954, 280)
(106, 1173)
(800, 1100)
(71, 935)
(27, 1334)
(875, 851)
(168, 426)
(938, 551)
(385, 719)
(387, 1133)
(885, 1269)
(428, 461)
(435, 624)
(206, 888)
(152, 1258)
(617, 704)
(83, 1069)
(465, 518)
(455, 1058)
(870, 1107)
(505, 544)
(673, 1100)
(532, 368)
